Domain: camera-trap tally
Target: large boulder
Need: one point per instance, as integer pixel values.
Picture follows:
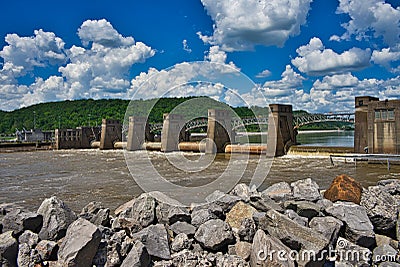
(214, 234)
(238, 213)
(156, 240)
(183, 227)
(304, 208)
(200, 216)
(358, 227)
(264, 251)
(18, 221)
(242, 191)
(137, 257)
(56, 218)
(80, 244)
(140, 212)
(327, 226)
(344, 188)
(381, 209)
(281, 191)
(306, 189)
(95, 213)
(8, 249)
(225, 201)
(294, 235)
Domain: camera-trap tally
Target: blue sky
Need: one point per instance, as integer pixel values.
(317, 55)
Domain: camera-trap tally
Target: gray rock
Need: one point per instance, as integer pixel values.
(384, 253)
(18, 221)
(180, 242)
(183, 227)
(304, 208)
(242, 191)
(265, 204)
(176, 214)
(95, 213)
(389, 264)
(385, 240)
(243, 250)
(324, 204)
(328, 226)
(392, 186)
(225, 201)
(137, 257)
(47, 250)
(247, 230)
(262, 251)
(214, 234)
(231, 261)
(155, 238)
(24, 256)
(56, 218)
(293, 235)
(306, 189)
(279, 192)
(8, 249)
(350, 254)
(28, 237)
(142, 211)
(381, 209)
(358, 227)
(80, 244)
(187, 258)
(296, 218)
(200, 216)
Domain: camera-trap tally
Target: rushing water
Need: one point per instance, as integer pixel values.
(81, 176)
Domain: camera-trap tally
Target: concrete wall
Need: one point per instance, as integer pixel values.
(361, 122)
(173, 132)
(219, 129)
(111, 132)
(136, 133)
(283, 132)
(80, 137)
(384, 127)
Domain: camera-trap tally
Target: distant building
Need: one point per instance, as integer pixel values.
(34, 135)
(377, 126)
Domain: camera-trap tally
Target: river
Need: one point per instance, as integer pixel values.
(81, 176)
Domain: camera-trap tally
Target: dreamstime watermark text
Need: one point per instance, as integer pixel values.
(330, 254)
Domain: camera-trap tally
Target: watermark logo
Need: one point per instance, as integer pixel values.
(344, 251)
(182, 178)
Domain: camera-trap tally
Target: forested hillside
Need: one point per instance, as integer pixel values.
(70, 114)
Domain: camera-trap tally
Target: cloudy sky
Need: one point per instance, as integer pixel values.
(317, 55)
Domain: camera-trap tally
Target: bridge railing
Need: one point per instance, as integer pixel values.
(298, 120)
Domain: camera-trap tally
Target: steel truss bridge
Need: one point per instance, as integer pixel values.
(298, 121)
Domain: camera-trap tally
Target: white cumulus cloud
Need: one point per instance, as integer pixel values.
(371, 17)
(100, 69)
(315, 59)
(243, 24)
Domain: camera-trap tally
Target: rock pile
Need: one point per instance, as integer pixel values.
(285, 225)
